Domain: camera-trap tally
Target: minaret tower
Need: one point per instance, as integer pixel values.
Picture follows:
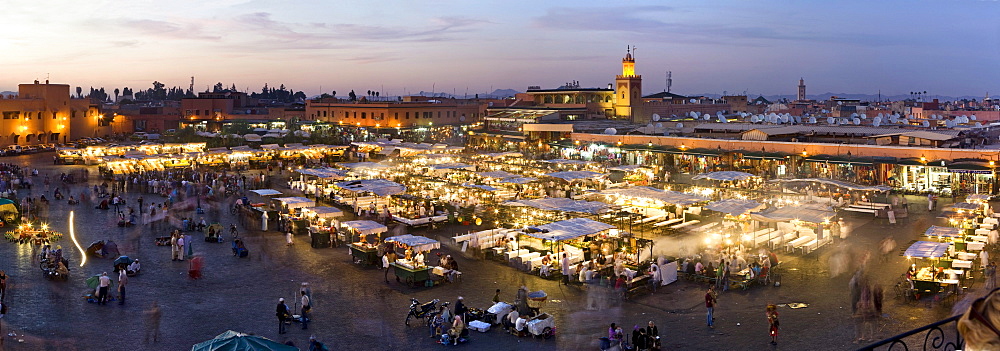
(628, 91)
(802, 90)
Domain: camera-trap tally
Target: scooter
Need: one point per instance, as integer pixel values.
(418, 310)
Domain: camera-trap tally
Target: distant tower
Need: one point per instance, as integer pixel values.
(802, 90)
(191, 88)
(628, 95)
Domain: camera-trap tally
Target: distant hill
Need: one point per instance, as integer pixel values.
(5, 93)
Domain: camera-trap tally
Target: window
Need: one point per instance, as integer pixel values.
(407, 115)
(439, 114)
(197, 112)
(548, 99)
(187, 112)
(53, 115)
(395, 115)
(364, 115)
(206, 113)
(416, 115)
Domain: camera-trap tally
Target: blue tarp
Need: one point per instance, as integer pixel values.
(927, 249)
(415, 242)
(569, 229)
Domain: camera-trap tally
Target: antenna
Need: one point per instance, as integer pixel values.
(670, 80)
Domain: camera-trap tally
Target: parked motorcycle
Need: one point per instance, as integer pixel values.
(425, 311)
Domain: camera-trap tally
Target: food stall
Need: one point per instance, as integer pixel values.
(412, 269)
(296, 222)
(29, 234)
(321, 217)
(261, 209)
(936, 274)
(364, 250)
(363, 193)
(569, 236)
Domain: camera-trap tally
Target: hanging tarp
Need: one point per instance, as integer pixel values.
(950, 232)
(380, 187)
(415, 242)
(734, 207)
(837, 183)
(322, 212)
(570, 176)
(451, 166)
(266, 192)
(964, 206)
(562, 204)
(568, 229)
(365, 227)
(561, 161)
(977, 198)
(295, 202)
(727, 176)
(627, 168)
(665, 196)
(812, 213)
(927, 249)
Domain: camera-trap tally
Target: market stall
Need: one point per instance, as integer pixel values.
(366, 193)
(30, 234)
(797, 228)
(411, 268)
(364, 249)
(934, 274)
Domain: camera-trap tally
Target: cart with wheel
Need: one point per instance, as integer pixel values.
(411, 276)
(543, 326)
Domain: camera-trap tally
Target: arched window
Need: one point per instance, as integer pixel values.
(548, 99)
(607, 98)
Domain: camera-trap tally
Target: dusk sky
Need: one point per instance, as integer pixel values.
(762, 47)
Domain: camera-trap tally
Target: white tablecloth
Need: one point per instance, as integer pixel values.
(961, 264)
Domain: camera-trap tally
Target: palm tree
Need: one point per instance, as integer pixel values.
(79, 92)
(116, 94)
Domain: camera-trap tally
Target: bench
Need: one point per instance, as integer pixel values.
(516, 253)
(872, 204)
(795, 244)
(637, 284)
(685, 224)
(650, 219)
(707, 226)
(809, 246)
(668, 222)
(859, 209)
(460, 238)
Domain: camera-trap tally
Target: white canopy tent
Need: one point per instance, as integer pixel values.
(519, 180)
(415, 242)
(734, 207)
(266, 192)
(568, 229)
(322, 212)
(380, 187)
(365, 227)
(324, 173)
(295, 202)
(665, 196)
(570, 176)
(562, 204)
(497, 175)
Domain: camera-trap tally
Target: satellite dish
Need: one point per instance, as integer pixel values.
(864, 116)
(659, 125)
(649, 125)
(877, 122)
(693, 114)
(723, 119)
(877, 119)
(610, 131)
(825, 111)
(656, 117)
(893, 119)
(973, 117)
(927, 124)
(979, 125)
(812, 120)
(693, 101)
(854, 115)
(461, 118)
(856, 121)
(831, 120)
(706, 116)
(880, 115)
(843, 120)
(798, 119)
(680, 125)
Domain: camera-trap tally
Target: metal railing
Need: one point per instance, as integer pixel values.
(940, 335)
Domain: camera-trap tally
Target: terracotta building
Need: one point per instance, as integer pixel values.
(411, 112)
(45, 113)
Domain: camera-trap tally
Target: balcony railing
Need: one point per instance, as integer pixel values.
(941, 335)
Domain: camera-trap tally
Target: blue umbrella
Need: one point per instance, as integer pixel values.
(235, 341)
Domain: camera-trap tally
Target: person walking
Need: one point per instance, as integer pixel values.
(3, 285)
(281, 311)
(122, 280)
(102, 292)
(153, 315)
(180, 247)
(710, 301)
(564, 264)
(772, 320)
(388, 259)
(174, 250)
(306, 310)
(725, 277)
